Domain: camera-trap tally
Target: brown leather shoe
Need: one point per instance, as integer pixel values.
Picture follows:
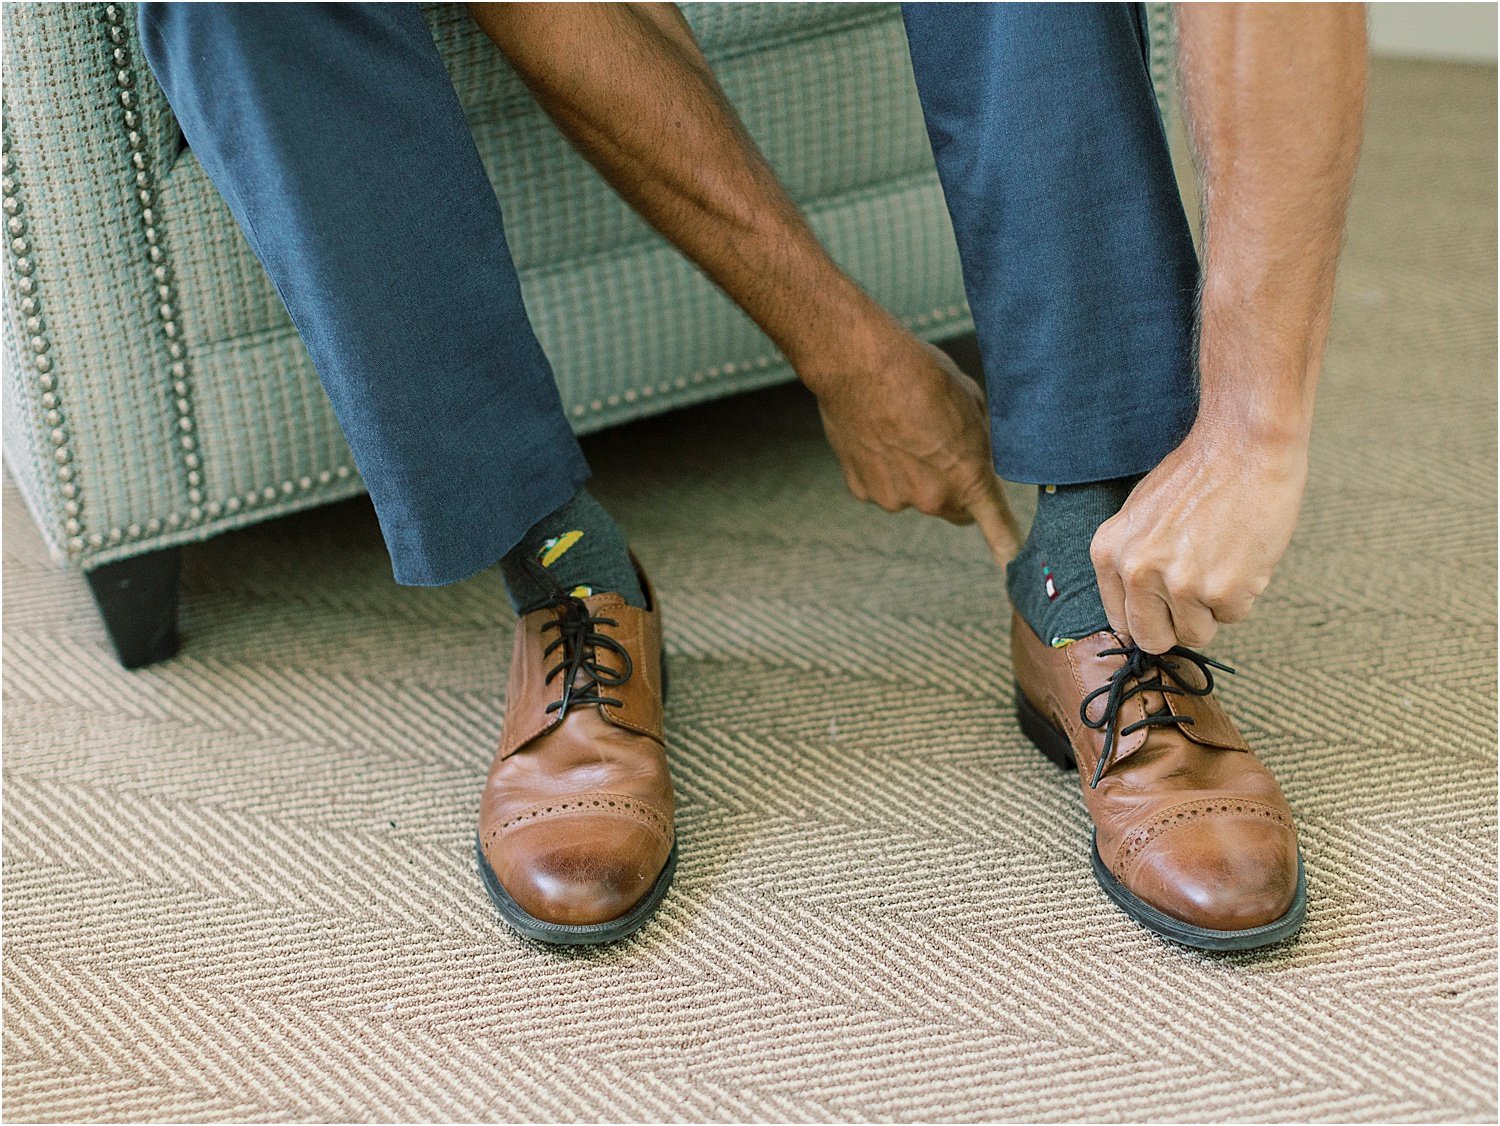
(576, 841)
(1192, 836)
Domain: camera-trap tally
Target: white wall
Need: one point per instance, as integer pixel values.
(1464, 32)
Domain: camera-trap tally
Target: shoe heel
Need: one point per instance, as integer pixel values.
(1048, 739)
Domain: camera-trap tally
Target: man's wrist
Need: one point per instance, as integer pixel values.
(841, 330)
(1256, 377)
(1274, 425)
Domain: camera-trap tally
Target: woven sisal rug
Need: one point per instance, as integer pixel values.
(240, 885)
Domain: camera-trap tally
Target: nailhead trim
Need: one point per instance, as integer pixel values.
(117, 44)
(1185, 814)
(210, 510)
(759, 363)
(36, 345)
(233, 504)
(36, 342)
(1160, 36)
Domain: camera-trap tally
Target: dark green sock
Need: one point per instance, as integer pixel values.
(580, 549)
(1052, 582)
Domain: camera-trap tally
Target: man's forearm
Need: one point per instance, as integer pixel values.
(629, 87)
(1274, 95)
(1275, 102)
(663, 134)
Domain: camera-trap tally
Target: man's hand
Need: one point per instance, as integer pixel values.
(1197, 539)
(1275, 101)
(911, 430)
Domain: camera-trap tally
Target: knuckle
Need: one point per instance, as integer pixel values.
(1197, 637)
(1136, 575)
(1221, 593)
(1234, 612)
(1179, 583)
(929, 504)
(976, 491)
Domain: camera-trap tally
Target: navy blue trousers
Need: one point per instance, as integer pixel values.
(335, 136)
(1077, 257)
(333, 133)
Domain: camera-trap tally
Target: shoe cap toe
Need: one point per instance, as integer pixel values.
(594, 874)
(1221, 874)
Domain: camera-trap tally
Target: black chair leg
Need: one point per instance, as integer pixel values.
(137, 598)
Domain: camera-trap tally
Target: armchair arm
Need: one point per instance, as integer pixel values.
(98, 403)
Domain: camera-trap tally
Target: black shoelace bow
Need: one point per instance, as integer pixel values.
(1137, 664)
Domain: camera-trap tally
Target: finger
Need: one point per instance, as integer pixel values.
(1227, 613)
(856, 486)
(886, 490)
(956, 507)
(1148, 621)
(1192, 622)
(1111, 593)
(934, 498)
(997, 523)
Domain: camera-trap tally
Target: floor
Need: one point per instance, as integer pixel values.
(239, 886)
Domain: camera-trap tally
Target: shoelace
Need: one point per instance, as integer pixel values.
(579, 638)
(1137, 664)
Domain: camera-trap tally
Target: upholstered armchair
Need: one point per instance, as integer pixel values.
(155, 392)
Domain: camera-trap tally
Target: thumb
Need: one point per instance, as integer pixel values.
(996, 521)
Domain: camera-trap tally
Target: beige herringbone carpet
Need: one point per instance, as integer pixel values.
(240, 885)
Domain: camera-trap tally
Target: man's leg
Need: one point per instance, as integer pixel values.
(1081, 274)
(335, 136)
(1077, 259)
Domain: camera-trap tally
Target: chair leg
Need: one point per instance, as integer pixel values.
(137, 598)
(964, 351)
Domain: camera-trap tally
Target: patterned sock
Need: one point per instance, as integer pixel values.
(582, 550)
(1052, 582)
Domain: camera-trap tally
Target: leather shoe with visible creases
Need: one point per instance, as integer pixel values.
(576, 841)
(1192, 836)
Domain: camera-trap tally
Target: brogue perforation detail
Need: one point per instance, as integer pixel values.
(1179, 816)
(603, 804)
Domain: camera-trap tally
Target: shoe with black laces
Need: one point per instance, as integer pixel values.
(1192, 835)
(576, 841)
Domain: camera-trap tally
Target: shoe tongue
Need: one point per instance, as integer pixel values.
(606, 604)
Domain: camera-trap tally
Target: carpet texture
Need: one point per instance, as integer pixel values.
(240, 885)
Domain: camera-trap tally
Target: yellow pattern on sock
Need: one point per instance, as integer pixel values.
(556, 547)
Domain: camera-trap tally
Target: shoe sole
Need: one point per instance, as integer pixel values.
(563, 934)
(1055, 746)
